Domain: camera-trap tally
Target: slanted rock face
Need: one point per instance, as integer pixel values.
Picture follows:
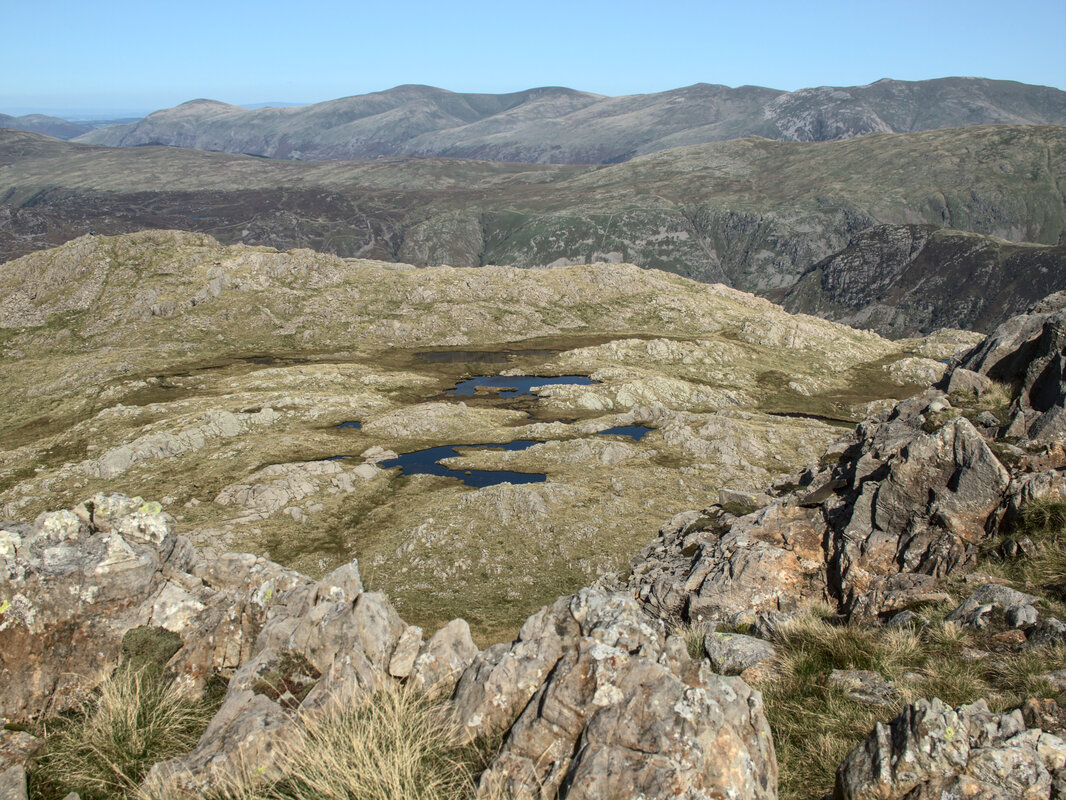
(901, 508)
(72, 583)
(1029, 352)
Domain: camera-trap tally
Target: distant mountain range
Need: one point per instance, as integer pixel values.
(49, 126)
(563, 126)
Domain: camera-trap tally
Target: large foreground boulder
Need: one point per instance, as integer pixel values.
(597, 701)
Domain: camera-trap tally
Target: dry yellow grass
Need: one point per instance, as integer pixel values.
(398, 744)
(104, 751)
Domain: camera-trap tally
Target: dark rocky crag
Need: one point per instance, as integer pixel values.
(905, 279)
(595, 698)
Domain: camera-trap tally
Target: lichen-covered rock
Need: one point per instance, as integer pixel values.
(624, 713)
(74, 584)
(732, 653)
(933, 751)
(447, 653)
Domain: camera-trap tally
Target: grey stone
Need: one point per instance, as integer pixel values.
(403, 658)
(1021, 616)
(864, 686)
(988, 419)
(989, 597)
(13, 783)
(448, 652)
(964, 381)
(732, 653)
(1057, 679)
(1047, 631)
(907, 619)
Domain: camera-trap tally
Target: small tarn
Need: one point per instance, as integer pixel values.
(425, 462)
(634, 432)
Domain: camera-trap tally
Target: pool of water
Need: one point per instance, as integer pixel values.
(634, 432)
(350, 424)
(425, 462)
(516, 385)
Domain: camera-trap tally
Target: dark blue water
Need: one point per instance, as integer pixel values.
(634, 432)
(424, 462)
(518, 384)
(351, 424)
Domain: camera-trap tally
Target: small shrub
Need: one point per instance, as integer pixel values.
(1044, 516)
(1044, 520)
(106, 748)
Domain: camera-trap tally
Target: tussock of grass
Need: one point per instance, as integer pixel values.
(106, 748)
(694, 635)
(1043, 520)
(397, 745)
(996, 399)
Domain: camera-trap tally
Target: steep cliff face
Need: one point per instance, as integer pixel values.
(905, 279)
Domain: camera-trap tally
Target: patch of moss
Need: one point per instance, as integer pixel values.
(288, 680)
(149, 647)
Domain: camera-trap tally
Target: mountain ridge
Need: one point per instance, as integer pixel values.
(561, 125)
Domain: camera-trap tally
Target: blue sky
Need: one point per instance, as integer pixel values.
(118, 56)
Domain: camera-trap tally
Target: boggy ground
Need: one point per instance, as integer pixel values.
(165, 365)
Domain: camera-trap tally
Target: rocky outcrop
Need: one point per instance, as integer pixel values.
(73, 582)
(597, 702)
(903, 280)
(933, 751)
(595, 697)
(1028, 352)
(911, 496)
